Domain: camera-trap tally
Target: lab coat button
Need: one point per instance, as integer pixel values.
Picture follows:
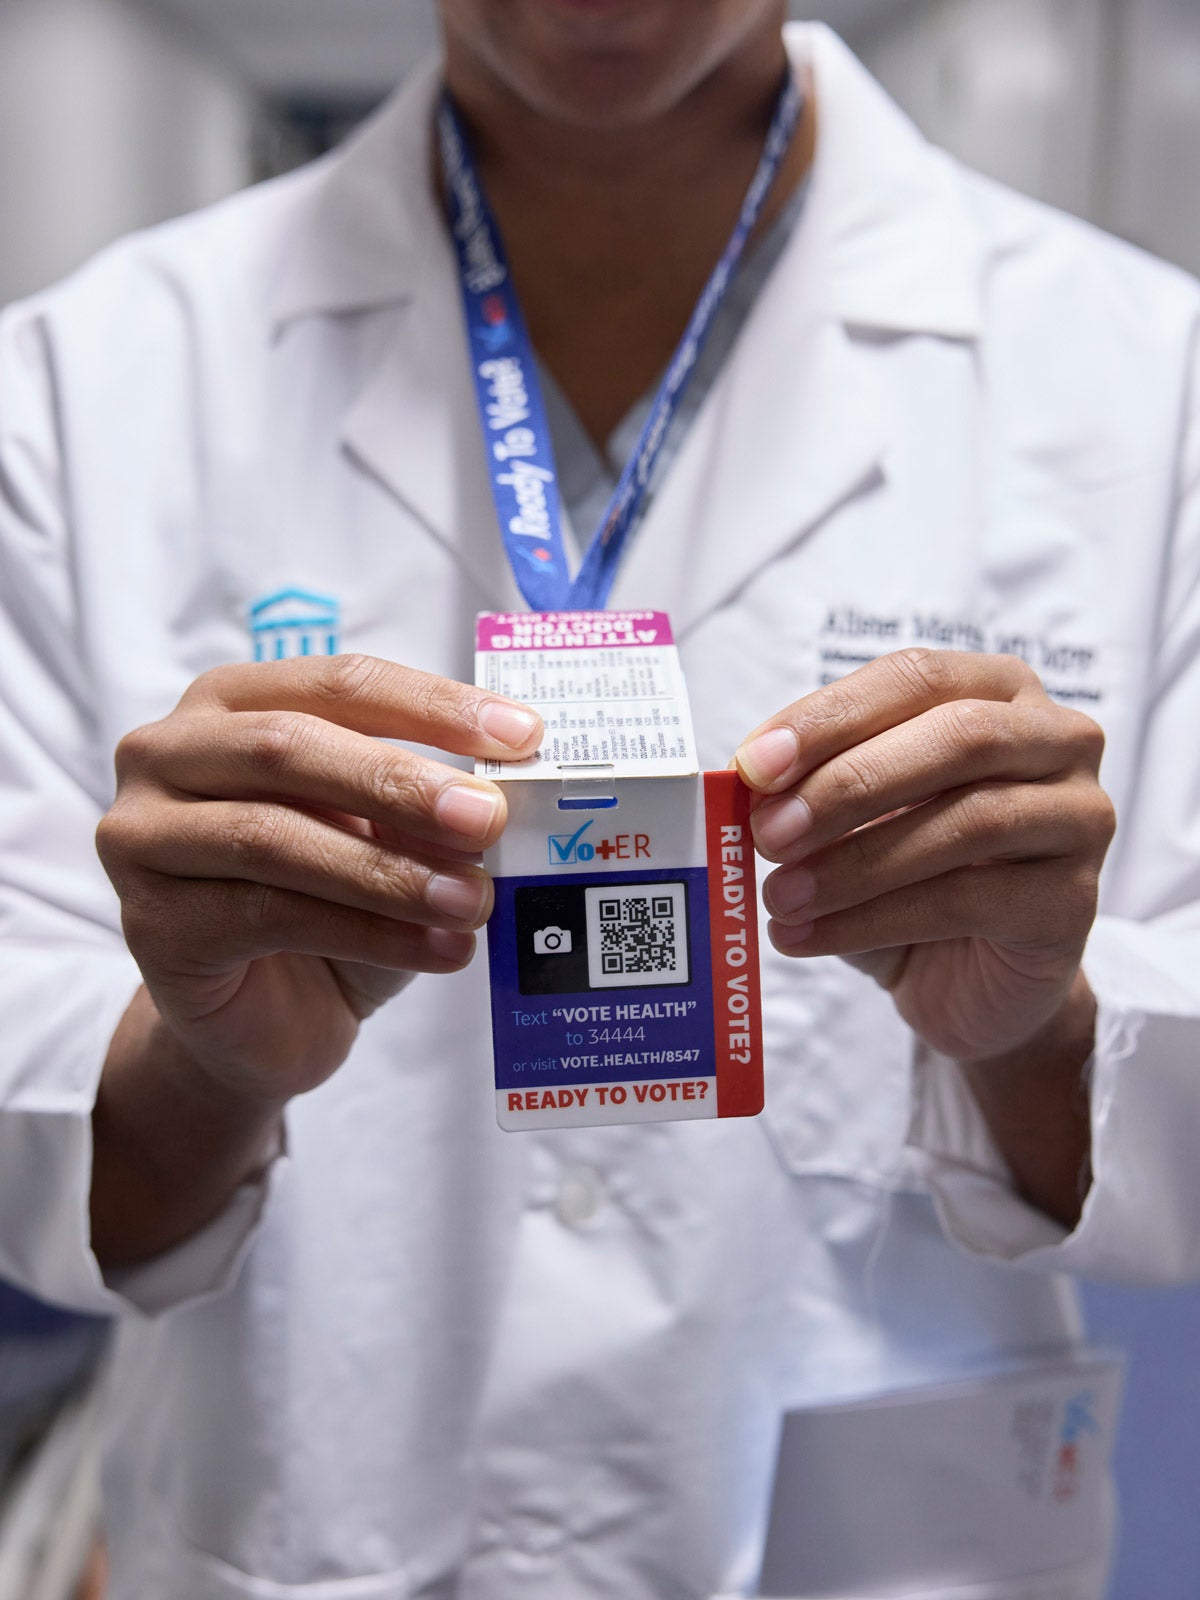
(578, 1198)
(535, 1534)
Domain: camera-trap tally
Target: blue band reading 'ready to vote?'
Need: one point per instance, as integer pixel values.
(520, 454)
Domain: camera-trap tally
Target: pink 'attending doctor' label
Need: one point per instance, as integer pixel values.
(609, 687)
(572, 630)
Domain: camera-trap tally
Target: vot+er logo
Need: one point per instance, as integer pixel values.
(568, 847)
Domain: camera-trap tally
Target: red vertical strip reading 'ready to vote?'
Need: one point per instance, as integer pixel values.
(733, 931)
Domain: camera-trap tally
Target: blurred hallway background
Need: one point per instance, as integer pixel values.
(115, 114)
(119, 113)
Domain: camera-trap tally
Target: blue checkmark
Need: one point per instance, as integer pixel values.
(562, 848)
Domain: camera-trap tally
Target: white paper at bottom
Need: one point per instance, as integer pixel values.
(994, 1489)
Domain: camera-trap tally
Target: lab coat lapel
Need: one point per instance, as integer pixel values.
(373, 244)
(414, 429)
(802, 417)
(793, 428)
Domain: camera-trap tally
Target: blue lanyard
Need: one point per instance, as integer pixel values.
(512, 413)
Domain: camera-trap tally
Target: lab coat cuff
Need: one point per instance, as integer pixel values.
(45, 1122)
(972, 1188)
(1139, 1221)
(46, 1161)
(1136, 1225)
(206, 1265)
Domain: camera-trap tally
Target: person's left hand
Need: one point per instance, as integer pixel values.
(939, 821)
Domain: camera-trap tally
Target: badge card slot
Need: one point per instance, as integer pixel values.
(588, 787)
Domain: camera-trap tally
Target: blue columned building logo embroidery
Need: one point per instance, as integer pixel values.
(294, 622)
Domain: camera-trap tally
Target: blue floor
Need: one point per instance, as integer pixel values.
(1158, 1452)
(44, 1355)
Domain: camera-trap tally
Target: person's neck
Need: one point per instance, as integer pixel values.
(612, 233)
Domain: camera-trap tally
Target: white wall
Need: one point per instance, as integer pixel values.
(1009, 85)
(343, 48)
(109, 121)
(1092, 105)
(1153, 191)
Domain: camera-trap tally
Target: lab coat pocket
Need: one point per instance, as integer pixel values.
(1089, 1582)
(202, 1576)
(997, 1488)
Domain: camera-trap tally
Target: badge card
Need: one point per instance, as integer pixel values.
(623, 946)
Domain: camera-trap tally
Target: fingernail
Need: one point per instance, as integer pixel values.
(786, 939)
(507, 723)
(461, 899)
(789, 892)
(451, 946)
(763, 761)
(780, 824)
(467, 810)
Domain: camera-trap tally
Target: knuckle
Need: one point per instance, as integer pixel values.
(387, 876)
(830, 709)
(426, 695)
(1101, 820)
(209, 685)
(1087, 888)
(973, 896)
(986, 818)
(930, 672)
(1057, 902)
(260, 908)
(1072, 910)
(862, 848)
(832, 712)
(273, 742)
(217, 686)
(143, 915)
(1107, 819)
(110, 839)
(854, 782)
(438, 701)
(1019, 670)
(119, 833)
(1088, 738)
(976, 725)
(257, 837)
(137, 750)
(352, 677)
(394, 786)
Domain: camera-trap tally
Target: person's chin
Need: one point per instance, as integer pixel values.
(603, 99)
(598, 11)
(599, 64)
(603, 25)
(600, 89)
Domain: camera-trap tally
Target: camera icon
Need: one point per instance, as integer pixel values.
(552, 942)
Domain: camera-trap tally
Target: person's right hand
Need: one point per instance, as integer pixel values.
(282, 871)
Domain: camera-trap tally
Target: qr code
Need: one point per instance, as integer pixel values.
(637, 935)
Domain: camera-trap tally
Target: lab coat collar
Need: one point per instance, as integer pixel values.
(368, 216)
(415, 426)
(889, 209)
(884, 244)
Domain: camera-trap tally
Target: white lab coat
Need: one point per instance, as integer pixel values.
(555, 1364)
